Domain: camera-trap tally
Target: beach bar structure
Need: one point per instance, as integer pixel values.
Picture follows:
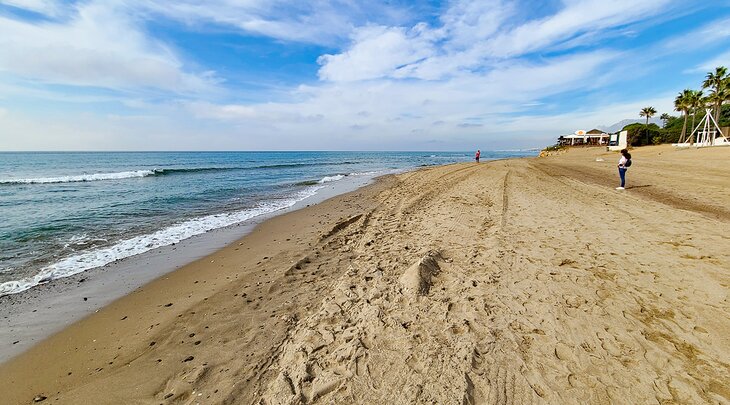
(594, 137)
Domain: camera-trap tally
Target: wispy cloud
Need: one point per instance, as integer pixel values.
(377, 52)
(576, 18)
(391, 78)
(318, 21)
(50, 8)
(100, 45)
(707, 33)
(722, 59)
(470, 38)
(394, 113)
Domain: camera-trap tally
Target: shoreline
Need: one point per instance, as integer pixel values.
(37, 313)
(519, 280)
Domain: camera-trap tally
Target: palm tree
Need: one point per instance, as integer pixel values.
(665, 117)
(716, 98)
(700, 105)
(718, 82)
(681, 103)
(647, 112)
(695, 101)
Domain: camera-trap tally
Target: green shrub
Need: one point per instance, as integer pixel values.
(639, 134)
(554, 148)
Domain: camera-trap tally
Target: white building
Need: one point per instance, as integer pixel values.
(594, 137)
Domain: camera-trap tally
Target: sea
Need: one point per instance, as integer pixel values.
(68, 212)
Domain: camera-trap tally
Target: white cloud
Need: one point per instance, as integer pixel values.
(317, 21)
(466, 22)
(713, 32)
(722, 59)
(576, 18)
(707, 35)
(104, 43)
(222, 112)
(471, 39)
(51, 8)
(272, 126)
(397, 113)
(378, 52)
(13, 91)
(99, 46)
(589, 116)
(480, 71)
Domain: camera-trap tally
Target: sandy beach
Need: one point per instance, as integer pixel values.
(513, 281)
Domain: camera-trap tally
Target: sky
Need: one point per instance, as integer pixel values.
(342, 74)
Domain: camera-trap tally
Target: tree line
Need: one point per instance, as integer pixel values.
(714, 94)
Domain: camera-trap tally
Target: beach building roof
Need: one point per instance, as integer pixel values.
(581, 137)
(587, 135)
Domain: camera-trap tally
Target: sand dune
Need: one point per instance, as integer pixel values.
(516, 281)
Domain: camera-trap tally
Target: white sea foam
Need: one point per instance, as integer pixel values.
(81, 177)
(139, 244)
(328, 179)
(78, 239)
(364, 173)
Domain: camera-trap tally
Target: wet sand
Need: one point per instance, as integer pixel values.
(515, 281)
(33, 315)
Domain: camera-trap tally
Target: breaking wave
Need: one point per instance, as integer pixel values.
(81, 177)
(155, 172)
(98, 257)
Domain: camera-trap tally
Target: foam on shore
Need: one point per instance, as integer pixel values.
(139, 244)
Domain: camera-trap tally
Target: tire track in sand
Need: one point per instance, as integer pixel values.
(505, 198)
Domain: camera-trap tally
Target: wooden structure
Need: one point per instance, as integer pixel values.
(707, 133)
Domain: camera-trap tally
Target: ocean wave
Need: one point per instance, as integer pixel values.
(327, 179)
(139, 244)
(370, 173)
(157, 172)
(285, 165)
(307, 183)
(81, 177)
(335, 177)
(230, 168)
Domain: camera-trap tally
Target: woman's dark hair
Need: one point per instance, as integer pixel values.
(626, 153)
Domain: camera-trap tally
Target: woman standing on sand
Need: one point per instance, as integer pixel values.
(623, 165)
(476, 157)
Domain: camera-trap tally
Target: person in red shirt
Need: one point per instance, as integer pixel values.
(476, 157)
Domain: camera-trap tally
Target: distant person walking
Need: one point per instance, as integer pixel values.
(476, 157)
(623, 165)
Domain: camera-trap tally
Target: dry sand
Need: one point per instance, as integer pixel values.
(516, 281)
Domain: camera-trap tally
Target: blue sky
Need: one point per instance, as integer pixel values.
(342, 74)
